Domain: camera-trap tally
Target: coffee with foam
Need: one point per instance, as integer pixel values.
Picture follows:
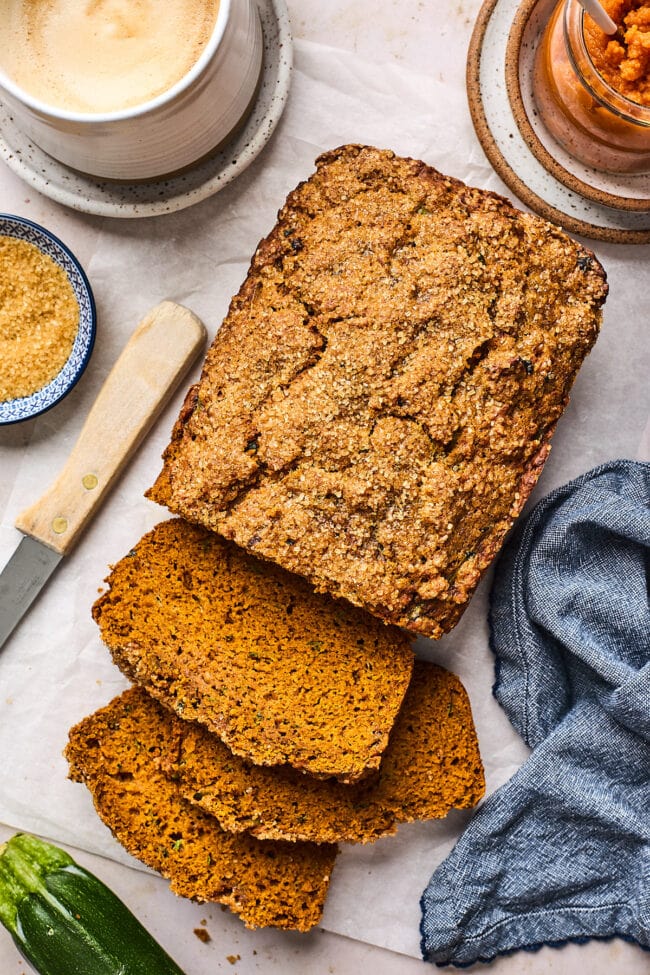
(102, 55)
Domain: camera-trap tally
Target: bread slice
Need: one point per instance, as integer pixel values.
(431, 765)
(380, 399)
(281, 674)
(115, 753)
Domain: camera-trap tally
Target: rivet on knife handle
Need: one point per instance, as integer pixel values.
(142, 380)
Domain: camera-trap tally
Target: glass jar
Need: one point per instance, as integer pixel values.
(591, 120)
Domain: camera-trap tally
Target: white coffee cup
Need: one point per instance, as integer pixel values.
(168, 133)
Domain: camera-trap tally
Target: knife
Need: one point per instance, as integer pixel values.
(141, 382)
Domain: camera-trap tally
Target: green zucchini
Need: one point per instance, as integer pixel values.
(64, 920)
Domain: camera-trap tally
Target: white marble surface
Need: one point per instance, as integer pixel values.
(391, 74)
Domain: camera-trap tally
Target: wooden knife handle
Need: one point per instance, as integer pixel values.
(140, 383)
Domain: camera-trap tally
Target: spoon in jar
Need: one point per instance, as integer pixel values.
(598, 14)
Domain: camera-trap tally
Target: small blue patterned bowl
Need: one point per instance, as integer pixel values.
(26, 407)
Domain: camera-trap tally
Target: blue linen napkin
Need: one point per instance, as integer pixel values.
(561, 852)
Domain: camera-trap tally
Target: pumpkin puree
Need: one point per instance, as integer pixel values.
(623, 63)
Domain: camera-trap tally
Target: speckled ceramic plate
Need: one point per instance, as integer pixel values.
(546, 179)
(26, 407)
(147, 199)
(622, 192)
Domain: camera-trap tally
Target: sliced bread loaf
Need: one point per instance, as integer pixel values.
(115, 753)
(283, 675)
(431, 765)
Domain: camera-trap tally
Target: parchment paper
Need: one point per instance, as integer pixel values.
(378, 73)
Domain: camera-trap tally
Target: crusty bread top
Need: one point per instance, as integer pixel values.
(115, 752)
(280, 673)
(431, 765)
(378, 403)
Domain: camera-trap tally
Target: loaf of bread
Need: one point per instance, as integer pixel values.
(116, 752)
(379, 402)
(431, 765)
(283, 675)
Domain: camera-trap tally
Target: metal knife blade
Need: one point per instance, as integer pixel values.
(22, 579)
(142, 380)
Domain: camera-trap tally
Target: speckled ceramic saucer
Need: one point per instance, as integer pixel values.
(499, 67)
(147, 199)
